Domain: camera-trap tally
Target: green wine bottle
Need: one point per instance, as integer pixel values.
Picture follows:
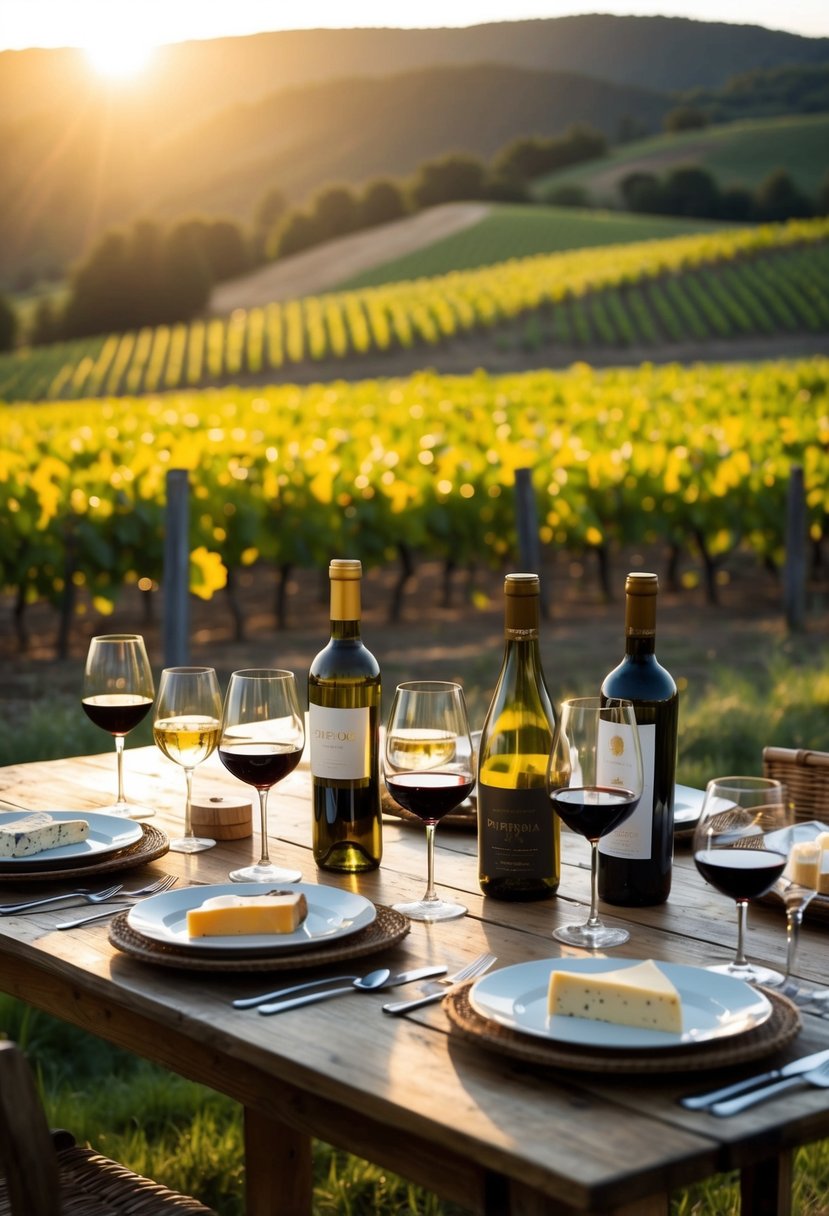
(635, 860)
(343, 736)
(518, 831)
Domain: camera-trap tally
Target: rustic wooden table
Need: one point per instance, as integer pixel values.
(493, 1135)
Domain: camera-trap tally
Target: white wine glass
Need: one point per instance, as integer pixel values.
(594, 780)
(186, 730)
(117, 694)
(263, 734)
(797, 887)
(737, 850)
(429, 770)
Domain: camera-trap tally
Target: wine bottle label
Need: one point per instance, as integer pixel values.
(517, 832)
(339, 743)
(632, 839)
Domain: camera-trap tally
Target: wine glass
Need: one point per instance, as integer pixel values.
(262, 738)
(429, 770)
(797, 887)
(186, 729)
(594, 780)
(735, 850)
(117, 693)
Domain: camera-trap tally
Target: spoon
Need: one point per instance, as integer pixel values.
(368, 983)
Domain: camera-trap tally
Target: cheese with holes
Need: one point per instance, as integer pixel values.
(804, 864)
(238, 915)
(640, 996)
(33, 834)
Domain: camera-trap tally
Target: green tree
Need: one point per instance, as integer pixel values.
(685, 118)
(450, 179)
(334, 212)
(778, 198)
(381, 202)
(822, 200)
(643, 192)
(296, 232)
(9, 324)
(267, 214)
(184, 280)
(693, 191)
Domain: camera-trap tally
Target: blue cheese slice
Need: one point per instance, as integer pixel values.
(640, 996)
(36, 833)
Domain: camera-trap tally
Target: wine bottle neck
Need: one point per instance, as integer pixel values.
(344, 631)
(640, 617)
(346, 609)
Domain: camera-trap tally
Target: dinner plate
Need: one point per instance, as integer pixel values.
(713, 1006)
(332, 915)
(107, 834)
(687, 808)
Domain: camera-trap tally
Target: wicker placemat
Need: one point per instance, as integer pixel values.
(776, 1032)
(387, 929)
(152, 844)
(464, 818)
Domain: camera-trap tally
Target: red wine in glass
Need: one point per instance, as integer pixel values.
(740, 873)
(593, 811)
(430, 795)
(260, 765)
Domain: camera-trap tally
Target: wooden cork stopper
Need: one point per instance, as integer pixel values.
(222, 817)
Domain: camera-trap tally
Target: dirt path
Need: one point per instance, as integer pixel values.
(322, 268)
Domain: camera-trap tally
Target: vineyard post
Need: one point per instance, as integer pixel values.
(526, 519)
(794, 575)
(176, 577)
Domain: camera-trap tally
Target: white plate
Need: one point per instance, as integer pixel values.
(687, 807)
(713, 1006)
(107, 834)
(332, 914)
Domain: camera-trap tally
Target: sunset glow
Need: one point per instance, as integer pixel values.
(118, 57)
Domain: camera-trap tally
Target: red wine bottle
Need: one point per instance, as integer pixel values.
(635, 859)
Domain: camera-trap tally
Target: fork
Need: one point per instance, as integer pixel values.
(153, 888)
(817, 1076)
(441, 987)
(81, 896)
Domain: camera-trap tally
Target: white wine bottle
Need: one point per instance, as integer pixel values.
(518, 832)
(635, 860)
(343, 735)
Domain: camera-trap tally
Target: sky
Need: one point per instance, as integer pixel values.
(108, 23)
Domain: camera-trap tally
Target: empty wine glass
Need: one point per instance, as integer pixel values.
(736, 851)
(262, 738)
(429, 770)
(797, 887)
(117, 694)
(594, 779)
(186, 729)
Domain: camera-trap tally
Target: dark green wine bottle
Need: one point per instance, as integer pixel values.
(343, 736)
(635, 860)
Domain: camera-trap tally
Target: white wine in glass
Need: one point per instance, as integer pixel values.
(117, 694)
(186, 730)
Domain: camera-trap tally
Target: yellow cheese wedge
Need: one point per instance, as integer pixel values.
(237, 916)
(822, 840)
(804, 864)
(640, 996)
(823, 873)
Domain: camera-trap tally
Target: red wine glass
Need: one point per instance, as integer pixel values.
(735, 851)
(117, 694)
(262, 738)
(429, 770)
(594, 780)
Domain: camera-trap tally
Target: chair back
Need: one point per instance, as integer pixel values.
(805, 774)
(27, 1156)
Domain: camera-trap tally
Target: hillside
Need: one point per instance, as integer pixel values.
(736, 153)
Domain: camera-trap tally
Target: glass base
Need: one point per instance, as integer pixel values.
(264, 873)
(431, 909)
(752, 973)
(596, 937)
(802, 994)
(191, 844)
(126, 810)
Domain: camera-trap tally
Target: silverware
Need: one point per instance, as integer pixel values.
(794, 1069)
(477, 967)
(81, 896)
(815, 1076)
(154, 888)
(382, 980)
(250, 1002)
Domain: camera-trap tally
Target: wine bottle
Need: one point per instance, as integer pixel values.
(635, 860)
(518, 832)
(343, 735)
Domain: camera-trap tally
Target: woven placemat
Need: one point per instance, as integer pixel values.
(776, 1032)
(387, 929)
(152, 844)
(465, 818)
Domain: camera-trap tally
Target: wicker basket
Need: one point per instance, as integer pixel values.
(806, 776)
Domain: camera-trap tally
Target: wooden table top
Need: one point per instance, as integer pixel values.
(408, 1092)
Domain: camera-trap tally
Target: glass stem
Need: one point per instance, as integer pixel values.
(188, 809)
(593, 921)
(264, 858)
(119, 764)
(431, 894)
(794, 916)
(742, 908)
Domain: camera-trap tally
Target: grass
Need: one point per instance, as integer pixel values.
(514, 231)
(738, 694)
(740, 152)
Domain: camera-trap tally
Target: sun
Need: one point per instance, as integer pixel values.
(119, 58)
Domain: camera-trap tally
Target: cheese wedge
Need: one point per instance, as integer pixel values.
(33, 834)
(804, 864)
(640, 996)
(238, 916)
(823, 873)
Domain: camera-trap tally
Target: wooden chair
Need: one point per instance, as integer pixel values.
(806, 775)
(47, 1174)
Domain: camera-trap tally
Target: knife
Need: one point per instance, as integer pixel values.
(311, 998)
(703, 1101)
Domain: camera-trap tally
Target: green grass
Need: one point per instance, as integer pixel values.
(514, 231)
(741, 152)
